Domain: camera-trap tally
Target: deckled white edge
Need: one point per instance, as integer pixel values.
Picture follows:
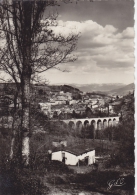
(135, 81)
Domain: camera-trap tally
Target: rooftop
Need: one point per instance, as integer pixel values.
(76, 151)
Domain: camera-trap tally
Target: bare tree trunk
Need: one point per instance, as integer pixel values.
(12, 146)
(15, 122)
(13, 139)
(25, 85)
(25, 126)
(13, 125)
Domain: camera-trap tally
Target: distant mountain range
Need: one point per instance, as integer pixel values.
(110, 88)
(98, 87)
(106, 89)
(123, 90)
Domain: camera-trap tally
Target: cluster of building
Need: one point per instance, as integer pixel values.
(63, 105)
(63, 101)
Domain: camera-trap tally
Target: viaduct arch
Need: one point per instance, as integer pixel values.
(97, 123)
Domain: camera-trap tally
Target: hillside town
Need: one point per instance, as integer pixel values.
(63, 105)
(64, 102)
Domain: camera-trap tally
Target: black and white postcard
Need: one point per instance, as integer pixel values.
(67, 97)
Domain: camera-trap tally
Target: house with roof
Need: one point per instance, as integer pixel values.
(93, 100)
(80, 110)
(71, 102)
(95, 105)
(71, 157)
(45, 106)
(61, 97)
(117, 103)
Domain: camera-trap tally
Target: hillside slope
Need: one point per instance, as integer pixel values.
(123, 90)
(105, 87)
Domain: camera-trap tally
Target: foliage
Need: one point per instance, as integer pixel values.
(124, 134)
(88, 112)
(108, 133)
(17, 182)
(77, 96)
(117, 108)
(13, 179)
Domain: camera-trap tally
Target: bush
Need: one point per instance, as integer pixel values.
(82, 178)
(15, 181)
(57, 167)
(104, 176)
(57, 180)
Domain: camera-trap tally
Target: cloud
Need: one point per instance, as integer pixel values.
(128, 33)
(100, 47)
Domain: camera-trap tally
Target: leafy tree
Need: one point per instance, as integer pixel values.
(124, 133)
(89, 112)
(126, 147)
(29, 48)
(117, 108)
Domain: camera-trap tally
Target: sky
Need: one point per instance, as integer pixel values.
(105, 49)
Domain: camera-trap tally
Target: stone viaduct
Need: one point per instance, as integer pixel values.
(96, 123)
